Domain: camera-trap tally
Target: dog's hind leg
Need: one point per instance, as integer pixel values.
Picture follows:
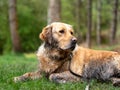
(63, 77)
(115, 81)
(28, 76)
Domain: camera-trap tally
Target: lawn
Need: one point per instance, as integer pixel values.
(12, 65)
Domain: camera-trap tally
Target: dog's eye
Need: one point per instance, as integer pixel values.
(71, 33)
(61, 31)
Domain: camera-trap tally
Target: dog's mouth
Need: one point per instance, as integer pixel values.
(69, 47)
(72, 47)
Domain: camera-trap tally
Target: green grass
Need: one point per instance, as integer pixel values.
(14, 65)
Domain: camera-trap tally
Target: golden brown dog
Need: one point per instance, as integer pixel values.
(62, 60)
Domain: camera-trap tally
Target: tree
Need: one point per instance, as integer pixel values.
(54, 11)
(114, 22)
(77, 12)
(99, 3)
(89, 23)
(14, 26)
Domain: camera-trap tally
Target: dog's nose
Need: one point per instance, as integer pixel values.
(74, 40)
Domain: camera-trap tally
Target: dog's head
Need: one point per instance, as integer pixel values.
(59, 35)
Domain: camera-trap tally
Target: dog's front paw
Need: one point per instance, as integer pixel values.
(16, 79)
(20, 79)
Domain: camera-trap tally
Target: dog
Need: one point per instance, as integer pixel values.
(62, 60)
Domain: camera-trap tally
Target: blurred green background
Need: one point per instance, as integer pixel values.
(32, 17)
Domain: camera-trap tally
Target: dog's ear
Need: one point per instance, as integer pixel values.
(46, 33)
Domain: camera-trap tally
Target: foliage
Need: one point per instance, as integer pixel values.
(31, 20)
(14, 65)
(4, 33)
(32, 17)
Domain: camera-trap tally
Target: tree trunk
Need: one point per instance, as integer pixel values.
(114, 22)
(99, 3)
(54, 11)
(89, 23)
(14, 26)
(77, 9)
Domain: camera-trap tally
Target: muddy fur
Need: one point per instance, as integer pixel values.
(99, 71)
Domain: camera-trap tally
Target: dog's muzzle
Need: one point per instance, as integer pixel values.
(73, 43)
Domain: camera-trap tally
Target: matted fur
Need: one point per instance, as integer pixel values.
(62, 60)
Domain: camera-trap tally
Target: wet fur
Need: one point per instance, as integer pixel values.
(63, 66)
